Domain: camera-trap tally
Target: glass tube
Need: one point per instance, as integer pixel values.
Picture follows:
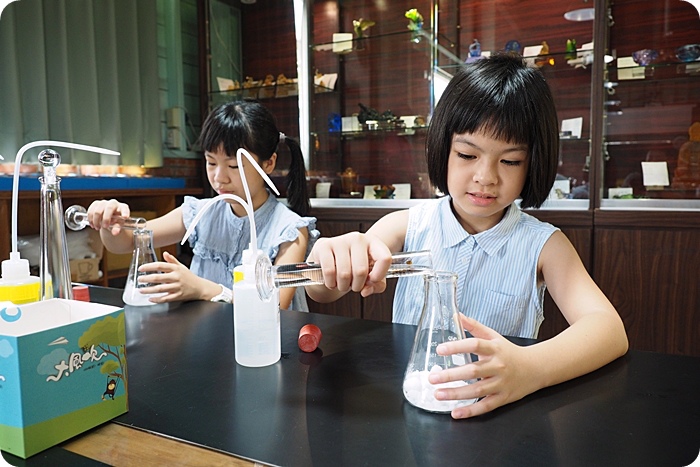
(269, 277)
(54, 269)
(76, 219)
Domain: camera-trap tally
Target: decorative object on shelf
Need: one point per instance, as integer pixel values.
(384, 191)
(687, 173)
(645, 57)
(268, 87)
(250, 87)
(543, 58)
(570, 49)
(360, 26)
(342, 43)
(335, 123)
(371, 119)
(513, 46)
(474, 52)
(226, 84)
(348, 180)
(286, 86)
(415, 23)
(326, 81)
(688, 53)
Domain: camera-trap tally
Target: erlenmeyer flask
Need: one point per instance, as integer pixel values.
(143, 253)
(439, 322)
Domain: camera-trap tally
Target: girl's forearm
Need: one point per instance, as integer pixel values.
(592, 342)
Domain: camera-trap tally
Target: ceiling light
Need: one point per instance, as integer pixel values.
(582, 14)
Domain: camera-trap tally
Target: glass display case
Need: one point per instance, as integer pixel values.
(392, 75)
(373, 122)
(651, 121)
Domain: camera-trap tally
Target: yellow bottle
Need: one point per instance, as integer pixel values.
(17, 285)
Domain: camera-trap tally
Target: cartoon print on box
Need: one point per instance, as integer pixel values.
(111, 386)
(101, 345)
(64, 371)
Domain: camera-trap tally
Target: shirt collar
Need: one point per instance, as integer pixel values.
(490, 240)
(259, 214)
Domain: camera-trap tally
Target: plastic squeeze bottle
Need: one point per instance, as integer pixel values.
(256, 323)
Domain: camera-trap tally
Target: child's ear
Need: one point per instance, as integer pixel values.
(269, 165)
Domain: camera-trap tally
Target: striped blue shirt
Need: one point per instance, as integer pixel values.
(496, 269)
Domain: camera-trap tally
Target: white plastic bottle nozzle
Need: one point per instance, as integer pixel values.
(17, 284)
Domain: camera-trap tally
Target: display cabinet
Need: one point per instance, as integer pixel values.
(652, 100)
(397, 71)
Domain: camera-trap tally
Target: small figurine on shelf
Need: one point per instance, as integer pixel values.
(687, 173)
(513, 46)
(384, 191)
(543, 58)
(268, 88)
(360, 26)
(570, 49)
(474, 52)
(415, 24)
(348, 180)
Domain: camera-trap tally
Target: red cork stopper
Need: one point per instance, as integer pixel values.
(81, 293)
(309, 337)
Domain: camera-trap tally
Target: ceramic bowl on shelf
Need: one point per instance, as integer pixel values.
(688, 53)
(645, 57)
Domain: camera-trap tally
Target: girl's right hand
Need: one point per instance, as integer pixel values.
(353, 261)
(100, 214)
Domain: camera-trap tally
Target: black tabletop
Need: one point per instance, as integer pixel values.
(343, 404)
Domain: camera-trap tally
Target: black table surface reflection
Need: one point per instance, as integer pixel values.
(343, 404)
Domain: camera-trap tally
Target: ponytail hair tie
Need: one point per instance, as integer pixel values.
(282, 137)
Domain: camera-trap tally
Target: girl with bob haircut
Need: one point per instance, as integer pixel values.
(493, 139)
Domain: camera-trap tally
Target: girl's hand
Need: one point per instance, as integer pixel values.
(100, 214)
(505, 371)
(353, 261)
(176, 281)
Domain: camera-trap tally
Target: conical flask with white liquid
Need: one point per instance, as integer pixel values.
(439, 323)
(143, 254)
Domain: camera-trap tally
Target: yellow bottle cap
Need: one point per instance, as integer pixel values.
(20, 293)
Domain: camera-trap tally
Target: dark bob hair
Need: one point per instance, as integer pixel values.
(510, 101)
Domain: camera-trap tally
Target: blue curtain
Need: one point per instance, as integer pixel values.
(83, 71)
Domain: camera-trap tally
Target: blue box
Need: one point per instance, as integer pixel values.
(62, 371)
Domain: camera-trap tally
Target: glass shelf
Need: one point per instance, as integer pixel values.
(381, 132)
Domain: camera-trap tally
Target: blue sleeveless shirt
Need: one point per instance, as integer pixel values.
(220, 237)
(497, 269)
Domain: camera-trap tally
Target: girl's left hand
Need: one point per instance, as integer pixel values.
(505, 371)
(175, 280)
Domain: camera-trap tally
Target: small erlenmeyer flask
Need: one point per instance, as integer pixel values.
(143, 253)
(439, 322)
